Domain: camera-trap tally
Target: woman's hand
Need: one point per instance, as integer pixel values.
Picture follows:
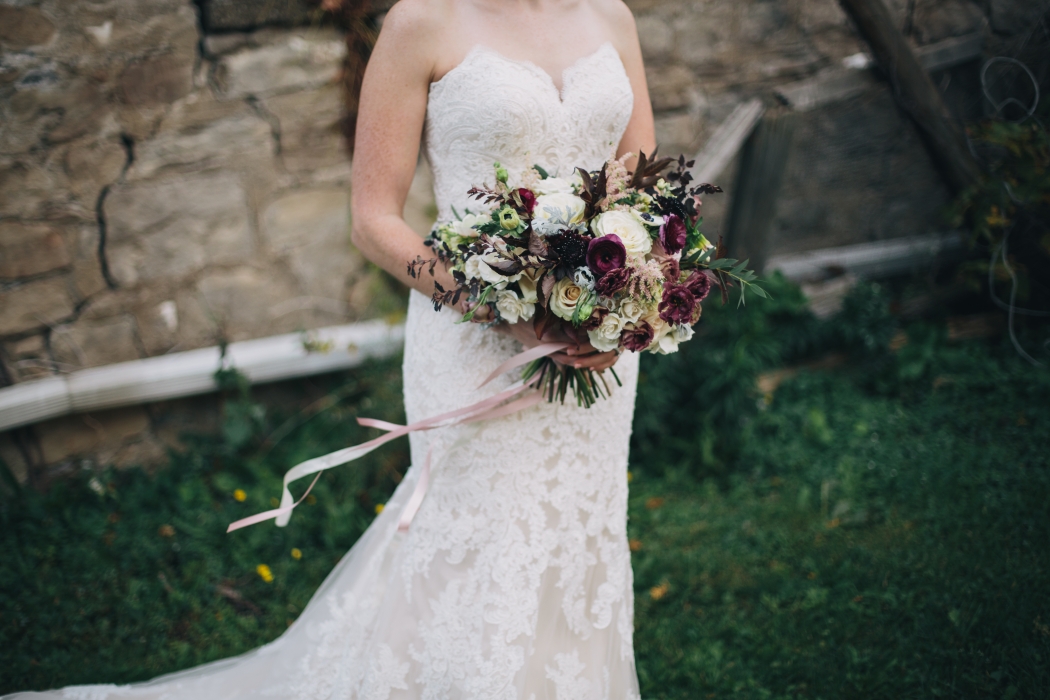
(581, 355)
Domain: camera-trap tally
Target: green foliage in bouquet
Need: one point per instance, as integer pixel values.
(614, 259)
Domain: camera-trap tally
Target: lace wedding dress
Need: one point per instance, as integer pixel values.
(514, 579)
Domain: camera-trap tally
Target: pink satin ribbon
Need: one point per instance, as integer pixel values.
(486, 409)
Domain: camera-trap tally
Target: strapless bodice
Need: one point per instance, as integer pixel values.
(492, 108)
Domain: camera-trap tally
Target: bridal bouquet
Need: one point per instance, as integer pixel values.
(613, 256)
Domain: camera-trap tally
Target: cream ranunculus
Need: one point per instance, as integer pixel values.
(628, 226)
(631, 310)
(668, 342)
(556, 212)
(606, 337)
(464, 228)
(564, 298)
(513, 308)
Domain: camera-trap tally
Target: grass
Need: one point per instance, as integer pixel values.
(878, 531)
(873, 548)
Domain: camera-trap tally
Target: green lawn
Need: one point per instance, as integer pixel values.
(877, 531)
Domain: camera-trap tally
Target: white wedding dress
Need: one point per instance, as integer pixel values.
(514, 579)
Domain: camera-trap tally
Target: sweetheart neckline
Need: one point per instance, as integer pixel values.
(575, 65)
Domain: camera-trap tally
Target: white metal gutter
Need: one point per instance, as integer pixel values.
(192, 372)
(876, 259)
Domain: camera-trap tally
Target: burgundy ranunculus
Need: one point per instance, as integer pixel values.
(606, 254)
(528, 199)
(699, 283)
(673, 234)
(678, 304)
(597, 316)
(637, 336)
(612, 282)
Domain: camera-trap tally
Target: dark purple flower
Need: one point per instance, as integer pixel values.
(674, 233)
(606, 254)
(699, 283)
(528, 200)
(678, 304)
(612, 282)
(570, 248)
(637, 336)
(597, 316)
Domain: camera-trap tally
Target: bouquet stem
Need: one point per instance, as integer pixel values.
(556, 380)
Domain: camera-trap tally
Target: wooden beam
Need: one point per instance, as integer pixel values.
(839, 83)
(726, 142)
(870, 260)
(762, 166)
(914, 91)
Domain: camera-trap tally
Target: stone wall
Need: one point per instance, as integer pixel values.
(166, 184)
(857, 171)
(172, 173)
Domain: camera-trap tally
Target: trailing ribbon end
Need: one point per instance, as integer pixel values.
(282, 514)
(487, 409)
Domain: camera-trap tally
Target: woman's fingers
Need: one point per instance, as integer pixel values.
(598, 361)
(482, 314)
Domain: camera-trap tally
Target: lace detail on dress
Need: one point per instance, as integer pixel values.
(514, 581)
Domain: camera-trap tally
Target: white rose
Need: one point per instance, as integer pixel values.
(557, 211)
(554, 184)
(670, 341)
(512, 308)
(606, 337)
(564, 297)
(471, 267)
(631, 310)
(479, 266)
(628, 226)
(465, 227)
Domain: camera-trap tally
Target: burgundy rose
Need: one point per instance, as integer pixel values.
(678, 304)
(673, 234)
(528, 200)
(597, 316)
(612, 282)
(699, 283)
(606, 254)
(637, 336)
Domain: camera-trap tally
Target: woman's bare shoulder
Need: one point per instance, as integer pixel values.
(617, 14)
(417, 21)
(619, 21)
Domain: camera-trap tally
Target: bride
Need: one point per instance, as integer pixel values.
(514, 580)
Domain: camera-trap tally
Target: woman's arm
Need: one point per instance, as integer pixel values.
(389, 127)
(640, 135)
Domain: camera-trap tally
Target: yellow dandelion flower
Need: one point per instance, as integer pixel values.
(658, 592)
(630, 477)
(380, 507)
(297, 553)
(274, 502)
(239, 495)
(264, 573)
